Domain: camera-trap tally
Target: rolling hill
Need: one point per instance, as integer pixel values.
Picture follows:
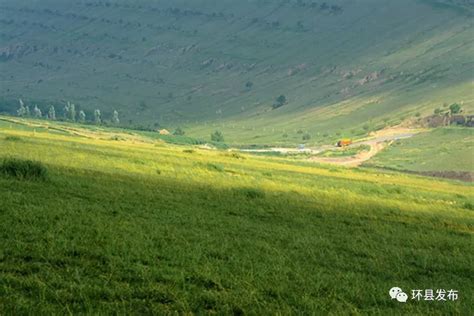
(447, 151)
(344, 67)
(100, 222)
(197, 172)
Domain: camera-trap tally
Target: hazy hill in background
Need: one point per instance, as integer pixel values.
(344, 67)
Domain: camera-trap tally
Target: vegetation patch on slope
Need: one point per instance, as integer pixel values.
(345, 152)
(23, 169)
(440, 150)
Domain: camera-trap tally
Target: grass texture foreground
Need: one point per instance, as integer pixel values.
(137, 226)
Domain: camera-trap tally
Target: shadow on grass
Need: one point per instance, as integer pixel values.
(104, 242)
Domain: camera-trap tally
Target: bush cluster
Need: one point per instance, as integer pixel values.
(23, 169)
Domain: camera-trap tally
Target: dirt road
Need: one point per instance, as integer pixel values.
(377, 142)
(356, 160)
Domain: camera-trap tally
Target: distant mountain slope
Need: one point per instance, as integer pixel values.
(342, 65)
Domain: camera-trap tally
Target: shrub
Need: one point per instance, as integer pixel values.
(214, 167)
(188, 151)
(217, 136)
(306, 136)
(23, 169)
(251, 193)
(235, 155)
(455, 108)
(280, 101)
(178, 132)
(116, 137)
(13, 139)
(469, 206)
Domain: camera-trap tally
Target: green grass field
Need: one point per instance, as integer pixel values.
(442, 149)
(132, 225)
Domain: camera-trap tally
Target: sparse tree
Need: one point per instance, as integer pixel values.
(27, 110)
(178, 132)
(82, 116)
(37, 112)
(455, 108)
(280, 101)
(115, 117)
(72, 112)
(66, 111)
(97, 116)
(51, 113)
(217, 136)
(21, 110)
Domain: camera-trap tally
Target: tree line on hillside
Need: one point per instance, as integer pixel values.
(452, 114)
(453, 109)
(69, 113)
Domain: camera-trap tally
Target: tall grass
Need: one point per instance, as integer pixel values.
(23, 169)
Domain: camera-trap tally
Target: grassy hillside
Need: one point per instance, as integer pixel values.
(136, 226)
(205, 65)
(443, 149)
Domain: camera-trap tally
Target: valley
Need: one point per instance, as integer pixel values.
(260, 157)
(164, 65)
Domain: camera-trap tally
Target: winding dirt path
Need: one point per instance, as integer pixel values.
(377, 142)
(353, 161)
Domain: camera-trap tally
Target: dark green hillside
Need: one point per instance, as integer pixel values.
(339, 64)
